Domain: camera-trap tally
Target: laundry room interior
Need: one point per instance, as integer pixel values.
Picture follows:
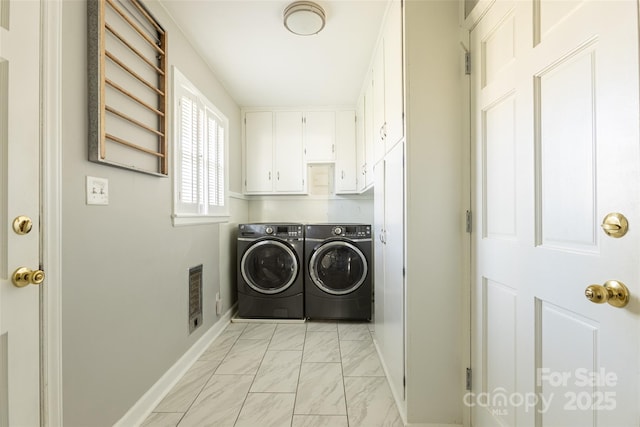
(408, 189)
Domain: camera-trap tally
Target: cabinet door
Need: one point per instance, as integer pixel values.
(378, 253)
(288, 160)
(319, 136)
(378, 104)
(258, 152)
(360, 154)
(346, 152)
(393, 349)
(369, 142)
(393, 90)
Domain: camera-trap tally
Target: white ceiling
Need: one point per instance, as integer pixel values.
(263, 65)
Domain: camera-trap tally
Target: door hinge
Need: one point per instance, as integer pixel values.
(467, 63)
(468, 378)
(469, 221)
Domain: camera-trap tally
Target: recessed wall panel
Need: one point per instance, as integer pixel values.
(566, 357)
(499, 355)
(498, 49)
(4, 167)
(549, 13)
(499, 169)
(566, 162)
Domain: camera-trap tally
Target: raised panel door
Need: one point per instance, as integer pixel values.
(20, 146)
(555, 146)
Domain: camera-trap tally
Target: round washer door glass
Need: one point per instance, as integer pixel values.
(338, 267)
(269, 266)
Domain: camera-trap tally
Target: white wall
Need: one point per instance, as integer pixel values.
(434, 153)
(124, 266)
(308, 210)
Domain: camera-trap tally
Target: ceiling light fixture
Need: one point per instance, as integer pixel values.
(304, 18)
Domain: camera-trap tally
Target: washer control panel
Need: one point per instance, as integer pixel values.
(276, 230)
(352, 231)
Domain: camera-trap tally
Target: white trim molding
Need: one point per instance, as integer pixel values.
(139, 412)
(51, 211)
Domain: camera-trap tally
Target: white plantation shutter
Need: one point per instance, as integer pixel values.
(215, 162)
(201, 139)
(189, 147)
(221, 169)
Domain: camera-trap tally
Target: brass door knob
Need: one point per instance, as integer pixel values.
(615, 225)
(25, 276)
(613, 292)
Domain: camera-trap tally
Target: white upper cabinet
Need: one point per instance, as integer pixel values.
(346, 171)
(393, 82)
(258, 152)
(274, 160)
(275, 144)
(388, 102)
(320, 136)
(378, 105)
(288, 160)
(360, 146)
(369, 157)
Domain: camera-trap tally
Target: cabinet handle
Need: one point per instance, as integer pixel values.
(382, 133)
(333, 148)
(269, 175)
(342, 174)
(278, 175)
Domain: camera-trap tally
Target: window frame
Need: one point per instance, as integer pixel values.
(198, 213)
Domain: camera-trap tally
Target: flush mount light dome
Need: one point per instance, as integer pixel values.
(304, 18)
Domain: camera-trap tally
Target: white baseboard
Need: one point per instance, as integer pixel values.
(400, 403)
(432, 425)
(146, 404)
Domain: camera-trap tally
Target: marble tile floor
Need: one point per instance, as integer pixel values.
(318, 373)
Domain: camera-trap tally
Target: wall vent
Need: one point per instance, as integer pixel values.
(195, 297)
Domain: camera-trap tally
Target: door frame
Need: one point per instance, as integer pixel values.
(51, 212)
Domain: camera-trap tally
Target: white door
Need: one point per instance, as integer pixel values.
(19, 196)
(556, 148)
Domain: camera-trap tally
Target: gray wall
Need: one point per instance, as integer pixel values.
(434, 212)
(125, 266)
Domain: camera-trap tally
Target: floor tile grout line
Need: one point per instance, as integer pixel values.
(295, 396)
(344, 387)
(210, 376)
(244, 402)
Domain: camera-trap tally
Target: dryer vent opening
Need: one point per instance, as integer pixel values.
(195, 297)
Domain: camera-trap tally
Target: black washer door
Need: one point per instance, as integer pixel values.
(269, 266)
(338, 267)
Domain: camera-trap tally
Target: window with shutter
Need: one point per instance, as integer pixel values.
(201, 165)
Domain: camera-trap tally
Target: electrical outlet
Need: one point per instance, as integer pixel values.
(97, 191)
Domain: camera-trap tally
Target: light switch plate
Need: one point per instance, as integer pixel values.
(97, 191)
